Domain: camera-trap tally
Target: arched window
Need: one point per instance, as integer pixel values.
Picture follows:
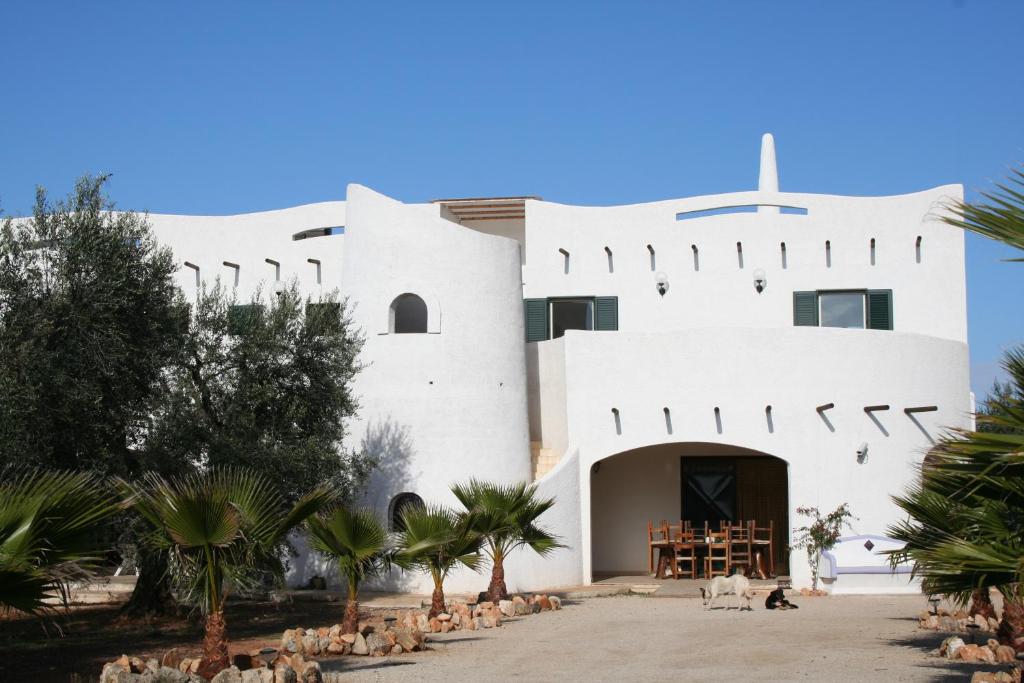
(408, 314)
(399, 504)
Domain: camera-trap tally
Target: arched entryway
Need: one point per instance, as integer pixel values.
(682, 481)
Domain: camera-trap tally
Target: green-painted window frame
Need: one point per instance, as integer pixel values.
(538, 314)
(878, 307)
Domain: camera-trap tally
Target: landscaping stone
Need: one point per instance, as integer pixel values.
(285, 674)
(444, 616)
(339, 648)
(397, 649)
(310, 645)
(1005, 654)
(947, 623)
(405, 638)
(377, 645)
(422, 623)
(968, 653)
(446, 626)
(556, 602)
(507, 607)
(950, 646)
(261, 675)
(986, 655)
(434, 625)
(349, 638)
(522, 609)
(310, 674)
(288, 641)
(171, 658)
(544, 602)
(232, 674)
(359, 645)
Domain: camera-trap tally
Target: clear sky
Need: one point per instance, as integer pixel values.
(228, 107)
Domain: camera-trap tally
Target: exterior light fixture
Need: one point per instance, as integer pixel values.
(862, 453)
(661, 282)
(760, 280)
(933, 600)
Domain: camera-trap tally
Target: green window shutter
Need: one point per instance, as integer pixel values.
(536, 319)
(879, 313)
(805, 308)
(606, 313)
(242, 317)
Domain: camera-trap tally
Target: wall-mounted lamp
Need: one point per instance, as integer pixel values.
(661, 282)
(862, 453)
(760, 280)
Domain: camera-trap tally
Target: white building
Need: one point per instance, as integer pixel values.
(729, 355)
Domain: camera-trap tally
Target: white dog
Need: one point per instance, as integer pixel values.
(737, 585)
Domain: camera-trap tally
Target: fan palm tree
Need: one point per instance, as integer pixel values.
(222, 529)
(1000, 217)
(505, 516)
(358, 542)
(436, 539)
(966, 527)
(48, 534)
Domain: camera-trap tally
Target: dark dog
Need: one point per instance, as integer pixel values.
(777, 600)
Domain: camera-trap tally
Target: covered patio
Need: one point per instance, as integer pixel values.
(704, 485)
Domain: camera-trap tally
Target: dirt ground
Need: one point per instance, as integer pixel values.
(847, 638)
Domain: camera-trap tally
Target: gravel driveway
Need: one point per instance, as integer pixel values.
(632, 638)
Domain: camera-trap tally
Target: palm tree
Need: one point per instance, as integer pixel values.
(222, 529)
(358, 542)
(966, 526)
(505, 516)
(436, 539)
(49, 523)
(1000, 218)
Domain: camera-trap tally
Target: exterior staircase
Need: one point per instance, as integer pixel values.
(542, 460)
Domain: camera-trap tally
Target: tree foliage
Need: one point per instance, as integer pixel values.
(999, 217)
(265, 385)
(506, 516)
(89, 318)
(221, 529)
(48, 534)
(821, 534)
(358, 542)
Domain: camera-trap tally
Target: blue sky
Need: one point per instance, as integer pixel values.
(226, 107)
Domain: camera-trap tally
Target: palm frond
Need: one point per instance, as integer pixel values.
(999, 217)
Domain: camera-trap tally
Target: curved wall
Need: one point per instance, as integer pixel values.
(450, 404)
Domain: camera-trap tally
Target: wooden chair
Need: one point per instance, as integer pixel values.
(740, 547)
(661, 531)
(718, 558)
(685, 549)
(762, 540)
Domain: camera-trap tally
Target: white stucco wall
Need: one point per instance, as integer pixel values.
(249, 239)
(929, 297)
(741, 371)
(440, 407)
(466, 398)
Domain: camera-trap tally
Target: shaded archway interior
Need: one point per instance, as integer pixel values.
(679, 481)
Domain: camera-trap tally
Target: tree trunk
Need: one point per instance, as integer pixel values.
(1011, 628)
(436, 601)
(152, 594)
(497, 590)
(981, 603)
(215, 646)
(350, 624)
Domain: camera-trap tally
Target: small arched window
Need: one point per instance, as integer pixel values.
(408, 314)
(399, 504)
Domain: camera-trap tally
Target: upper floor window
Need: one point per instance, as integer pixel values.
(571, 314)
(871, 308)
(408, 314)
(550, 318)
